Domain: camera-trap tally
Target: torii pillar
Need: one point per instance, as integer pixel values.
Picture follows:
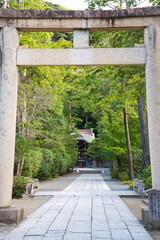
(152, 43)
(9, 41)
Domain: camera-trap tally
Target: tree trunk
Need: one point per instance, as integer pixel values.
(27, 129)
(24, 116)
(114, 166)
(5, 4)
(131, 173)
(86, 118)
(117, 157)
(69, 117)
(119, 162)
(18, 168)
(143, 130)
(21, 168)
(18, 121)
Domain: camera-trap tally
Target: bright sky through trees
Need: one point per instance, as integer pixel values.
(81, 5)
(71, 4)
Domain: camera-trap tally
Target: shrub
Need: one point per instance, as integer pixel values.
(44, 172)
(148, 183)
(32, 163)
(19, 186)
(22, 148)
(146, 177)
(130, 186)
(55, 167)
(49, 178)
(123, 176)
(63, 164)
(47, 164)
(126, 182)
(115, 174)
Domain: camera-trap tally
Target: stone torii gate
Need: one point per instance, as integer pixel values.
(80, 22)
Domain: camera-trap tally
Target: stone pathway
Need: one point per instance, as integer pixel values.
(85, 210)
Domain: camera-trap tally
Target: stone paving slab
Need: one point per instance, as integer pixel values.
(81, 193)
(86, 210)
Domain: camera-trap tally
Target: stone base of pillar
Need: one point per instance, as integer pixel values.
(11, 215)
(154, 208)
(145, 216)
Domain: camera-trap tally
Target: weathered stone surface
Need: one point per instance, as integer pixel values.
(145, 216)
(152, 43)
(69, 25)
(81, 39)
(11, 215)
(154, 208)
(8, 106)
(135, 184)
(141, 187)
(140, 236)
(121, 234)
(89, 216)
(123, 13)
(63, 21)
(29, 188)
(81, 57)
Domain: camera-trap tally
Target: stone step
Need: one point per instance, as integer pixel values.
(90, 171)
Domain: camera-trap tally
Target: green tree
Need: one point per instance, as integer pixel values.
(113, 4)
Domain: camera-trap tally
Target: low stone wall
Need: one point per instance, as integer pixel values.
(31, 187)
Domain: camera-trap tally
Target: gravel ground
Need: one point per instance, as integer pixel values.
(115, 185)
(58, 184)
(134, 204)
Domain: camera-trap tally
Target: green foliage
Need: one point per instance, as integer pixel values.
(146, 177)
(123, 176)
(148, 183)
(47, 165)
(32, 163)
(51, 6)
(1, 3)
(64, 163)
(23, 147)
(70, 146)
(42, 123)
(96, 151)
(27, 4)
(116, 4)
(19, 186)
(44, 172)
(120, 175)
(126, 182)
(96, 96)
(154, 2)
(130, 186)
(115, 173)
